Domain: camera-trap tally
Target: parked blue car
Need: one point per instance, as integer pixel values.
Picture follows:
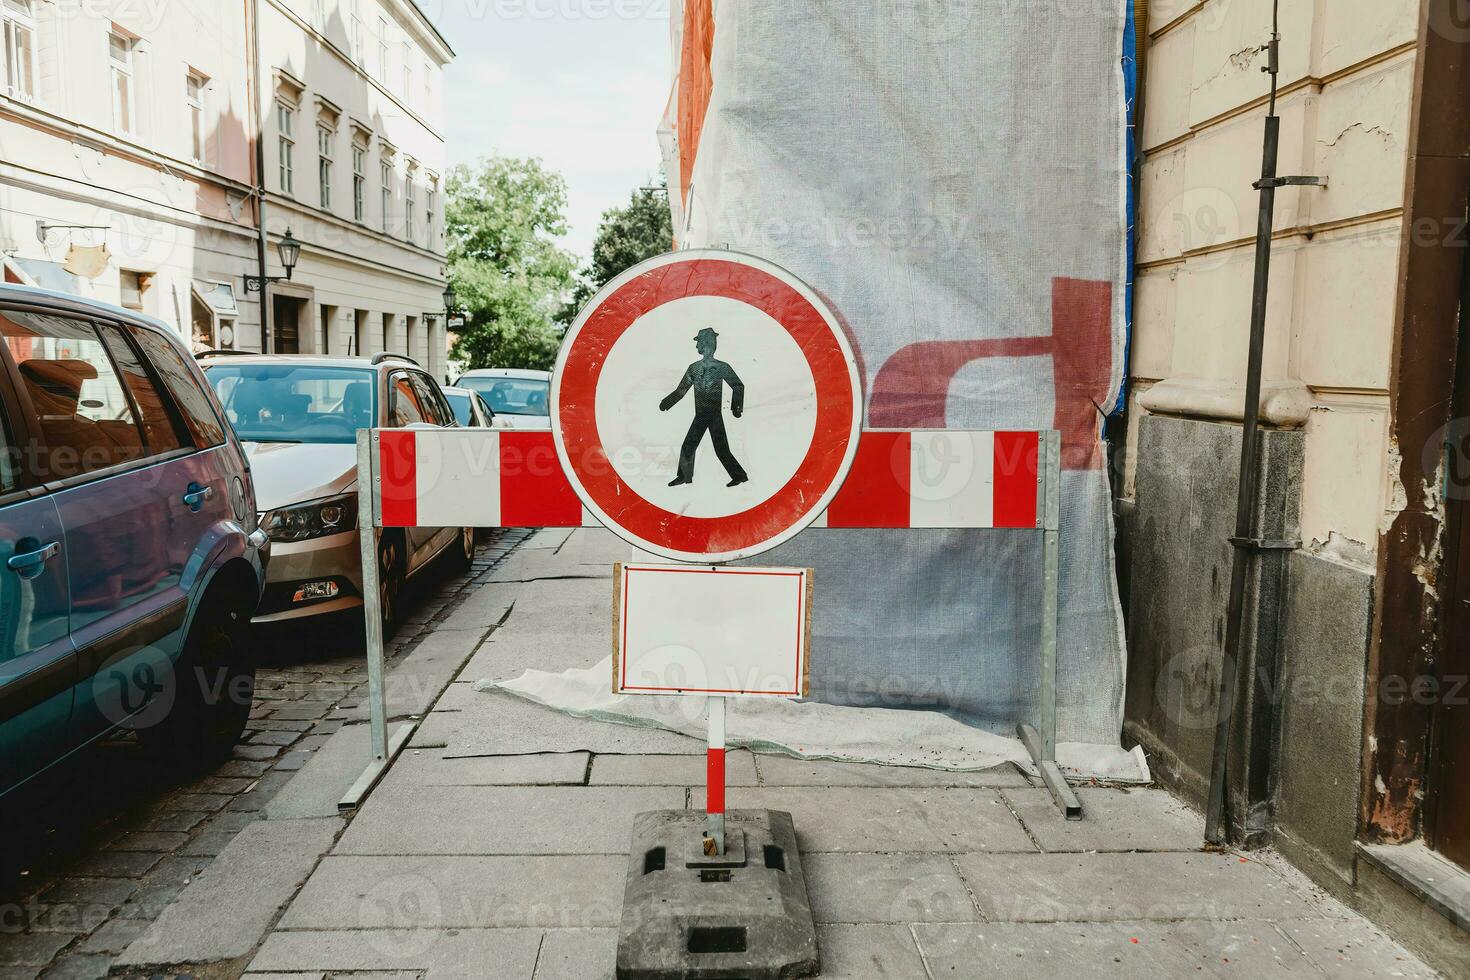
(130, 559)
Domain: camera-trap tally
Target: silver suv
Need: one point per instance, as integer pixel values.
(298, 417)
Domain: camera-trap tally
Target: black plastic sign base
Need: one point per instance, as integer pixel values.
(688, 917)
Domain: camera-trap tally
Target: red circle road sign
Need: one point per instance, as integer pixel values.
(706, 405)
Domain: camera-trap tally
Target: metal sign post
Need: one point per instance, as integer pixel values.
(369, 492)
(1043, 746)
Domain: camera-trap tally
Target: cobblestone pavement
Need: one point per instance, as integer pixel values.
(91, 857)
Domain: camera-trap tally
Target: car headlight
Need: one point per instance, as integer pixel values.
(316, 519)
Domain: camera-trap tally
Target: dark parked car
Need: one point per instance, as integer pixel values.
(130, 560)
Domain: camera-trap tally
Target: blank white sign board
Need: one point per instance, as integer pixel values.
(702, 629)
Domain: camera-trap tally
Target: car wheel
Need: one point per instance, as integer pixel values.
(463, 551)
(391, 563)
(214, 688)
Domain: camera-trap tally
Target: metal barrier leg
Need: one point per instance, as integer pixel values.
(367, 534)
(1043, 745)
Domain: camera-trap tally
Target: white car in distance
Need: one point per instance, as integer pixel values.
(520, 398)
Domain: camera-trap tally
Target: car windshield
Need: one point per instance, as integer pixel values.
(295, 403)
(512, 396)
(460, 403)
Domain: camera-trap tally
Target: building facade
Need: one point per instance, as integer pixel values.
(125, 157)
(1350, 746)
(354, 163)
(128, 162)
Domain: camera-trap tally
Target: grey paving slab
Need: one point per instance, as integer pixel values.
(326, 777)
(783, 770)
(460, 892)
(1111, 951)
(1135, 819)
(508, 725)
(459, 696)
(886, 888)
(1352, 947)
(435, 731)
(577, 954)
(501, 820)
(226, 910)
(669, 770)
(413, 685)
(484, 609)
(1141, 886)
(884, 819)
(313, 975)
(869, 952)
(429, 768)
(506, 656)
(472, 954)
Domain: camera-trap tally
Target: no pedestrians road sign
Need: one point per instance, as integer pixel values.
(706, 405)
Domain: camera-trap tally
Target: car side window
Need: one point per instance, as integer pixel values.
(435, 407)
(161, 431)
(403, 402)
(85, 419)
(189, 395)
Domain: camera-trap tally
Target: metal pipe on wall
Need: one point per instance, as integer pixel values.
(1244, 542)
(253, 7)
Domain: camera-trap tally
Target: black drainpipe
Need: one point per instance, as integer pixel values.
(260, 237)
(1246, 542)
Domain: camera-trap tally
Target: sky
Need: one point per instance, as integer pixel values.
(581, 84)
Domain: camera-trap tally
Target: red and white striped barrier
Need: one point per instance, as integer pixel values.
(933, 478)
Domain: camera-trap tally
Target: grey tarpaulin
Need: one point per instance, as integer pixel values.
(950, 174)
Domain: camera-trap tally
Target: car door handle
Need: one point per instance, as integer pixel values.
(28, 564)
(197, 495)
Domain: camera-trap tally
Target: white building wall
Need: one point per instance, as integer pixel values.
(320, 61)
(73, 153)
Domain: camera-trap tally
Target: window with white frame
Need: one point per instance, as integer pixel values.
(405, 81)
(385, 176)
(120, 64)
(324, 138)
(431, 201)
(195, 85)
(358, 53)
(359, 179)
(408, 203)
(20, 49)
(286, 146)
(319, 14)
(428, 94)
(382, 66)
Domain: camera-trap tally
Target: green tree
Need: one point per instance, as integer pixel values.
(627, 236)
(502, 219)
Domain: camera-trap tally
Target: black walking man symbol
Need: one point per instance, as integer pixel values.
(708, 377)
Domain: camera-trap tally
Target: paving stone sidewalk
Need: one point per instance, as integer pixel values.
(465, 863)
(94, 856)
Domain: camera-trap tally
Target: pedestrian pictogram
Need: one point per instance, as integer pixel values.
(724, 457)
(708, 377)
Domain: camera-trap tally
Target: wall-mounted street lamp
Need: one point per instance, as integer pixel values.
(289, 250)
(451, 302)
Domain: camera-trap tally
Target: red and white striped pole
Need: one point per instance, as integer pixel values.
(714, 794)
